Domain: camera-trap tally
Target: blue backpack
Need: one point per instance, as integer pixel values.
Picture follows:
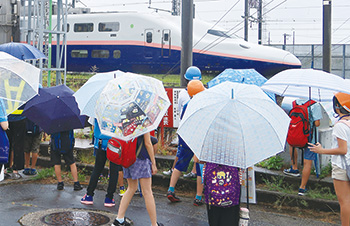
(32, 128)
(221, 185)
(62, 141)
(4, 147)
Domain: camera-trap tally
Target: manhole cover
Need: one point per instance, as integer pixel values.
(75, 218)
(68, 217)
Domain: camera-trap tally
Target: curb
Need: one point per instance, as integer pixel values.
(263, 196)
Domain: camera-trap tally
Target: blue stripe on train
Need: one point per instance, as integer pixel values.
(150, 60)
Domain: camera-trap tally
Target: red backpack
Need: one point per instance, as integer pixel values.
(299, 127)
(122, 152)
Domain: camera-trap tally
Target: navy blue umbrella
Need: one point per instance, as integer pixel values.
(55, 110)
(22, 51)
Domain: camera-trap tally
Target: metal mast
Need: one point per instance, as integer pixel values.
(175, 9)
(36, 29)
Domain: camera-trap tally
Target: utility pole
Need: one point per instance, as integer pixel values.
(175, 8)
(285, 35)
(246, 16)
(186, 38)
(327, 35)
(260, 22)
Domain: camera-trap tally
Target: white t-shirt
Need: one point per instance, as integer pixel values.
(183, 99)
(341, 131)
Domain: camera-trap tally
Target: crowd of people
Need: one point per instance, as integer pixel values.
(219, 184)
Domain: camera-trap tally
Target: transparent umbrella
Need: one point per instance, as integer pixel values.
(234, 124)
(131, 105)
(19, 82)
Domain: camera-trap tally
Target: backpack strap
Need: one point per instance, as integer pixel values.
(139, 149)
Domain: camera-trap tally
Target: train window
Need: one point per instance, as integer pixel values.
(84, 27)
(166, 37)
(79, 53)
(108, 26)
(219, 33)
(149, 37)
(116, 54)
(100, 53)
(67, 27)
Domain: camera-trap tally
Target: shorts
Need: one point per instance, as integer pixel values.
(140, 169)
(32, 143)
(309, 155)
(68, 157)
(184, 158)
(339, 173)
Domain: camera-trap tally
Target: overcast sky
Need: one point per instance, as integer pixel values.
(301, 20)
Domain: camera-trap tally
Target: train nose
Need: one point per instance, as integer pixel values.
(290, 59)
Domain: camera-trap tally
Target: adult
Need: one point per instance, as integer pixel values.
(315, 115)
(192, 73)
(185, 154)
(340, 154)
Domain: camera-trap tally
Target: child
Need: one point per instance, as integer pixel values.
(100, 145)
(341, 154)
(141, 170)
(62, 143)
(32, 141)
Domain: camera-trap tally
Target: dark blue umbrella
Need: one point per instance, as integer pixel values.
(55, 110)
(22, 51)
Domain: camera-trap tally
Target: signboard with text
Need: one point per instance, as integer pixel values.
(172, 118)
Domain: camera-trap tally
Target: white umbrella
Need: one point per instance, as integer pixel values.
(307, 84)
(131, 105)
(88, 94)
(234, 124)
(19, 82)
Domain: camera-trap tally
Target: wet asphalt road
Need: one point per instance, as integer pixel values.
(18, 200)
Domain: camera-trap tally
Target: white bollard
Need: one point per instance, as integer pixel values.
(244, 217)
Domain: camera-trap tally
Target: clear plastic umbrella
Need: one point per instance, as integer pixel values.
(19, 82)
(234, 124)
(307, 84)
(88, 94)
(131, 105)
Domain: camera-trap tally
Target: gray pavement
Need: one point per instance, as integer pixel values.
(20, 200)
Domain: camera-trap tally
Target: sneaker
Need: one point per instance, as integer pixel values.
(122, 192)
(127, 222)
(292, 172)
(160, 224)
(171, 196)
(190, 175)
(27, 171)
(77, 186)
(33, 172)
(302, 192)
(87, 200)
(197, 202)
(109, 202)
(15, 176)
(60, 185)
(168, 172)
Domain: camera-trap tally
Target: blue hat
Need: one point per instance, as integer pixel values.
(193, 73)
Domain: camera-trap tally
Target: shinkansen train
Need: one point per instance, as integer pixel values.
(151, 43)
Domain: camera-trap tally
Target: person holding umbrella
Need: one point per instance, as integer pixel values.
(341, 154)
(142, 170)
(315, 115)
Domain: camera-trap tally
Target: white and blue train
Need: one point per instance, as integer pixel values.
(151, 43)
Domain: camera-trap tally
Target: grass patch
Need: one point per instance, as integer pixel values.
(45, 173)
(275, 163)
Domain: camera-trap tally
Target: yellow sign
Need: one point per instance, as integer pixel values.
(13, 105)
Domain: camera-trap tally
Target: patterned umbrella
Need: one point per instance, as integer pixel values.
(131, 105)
